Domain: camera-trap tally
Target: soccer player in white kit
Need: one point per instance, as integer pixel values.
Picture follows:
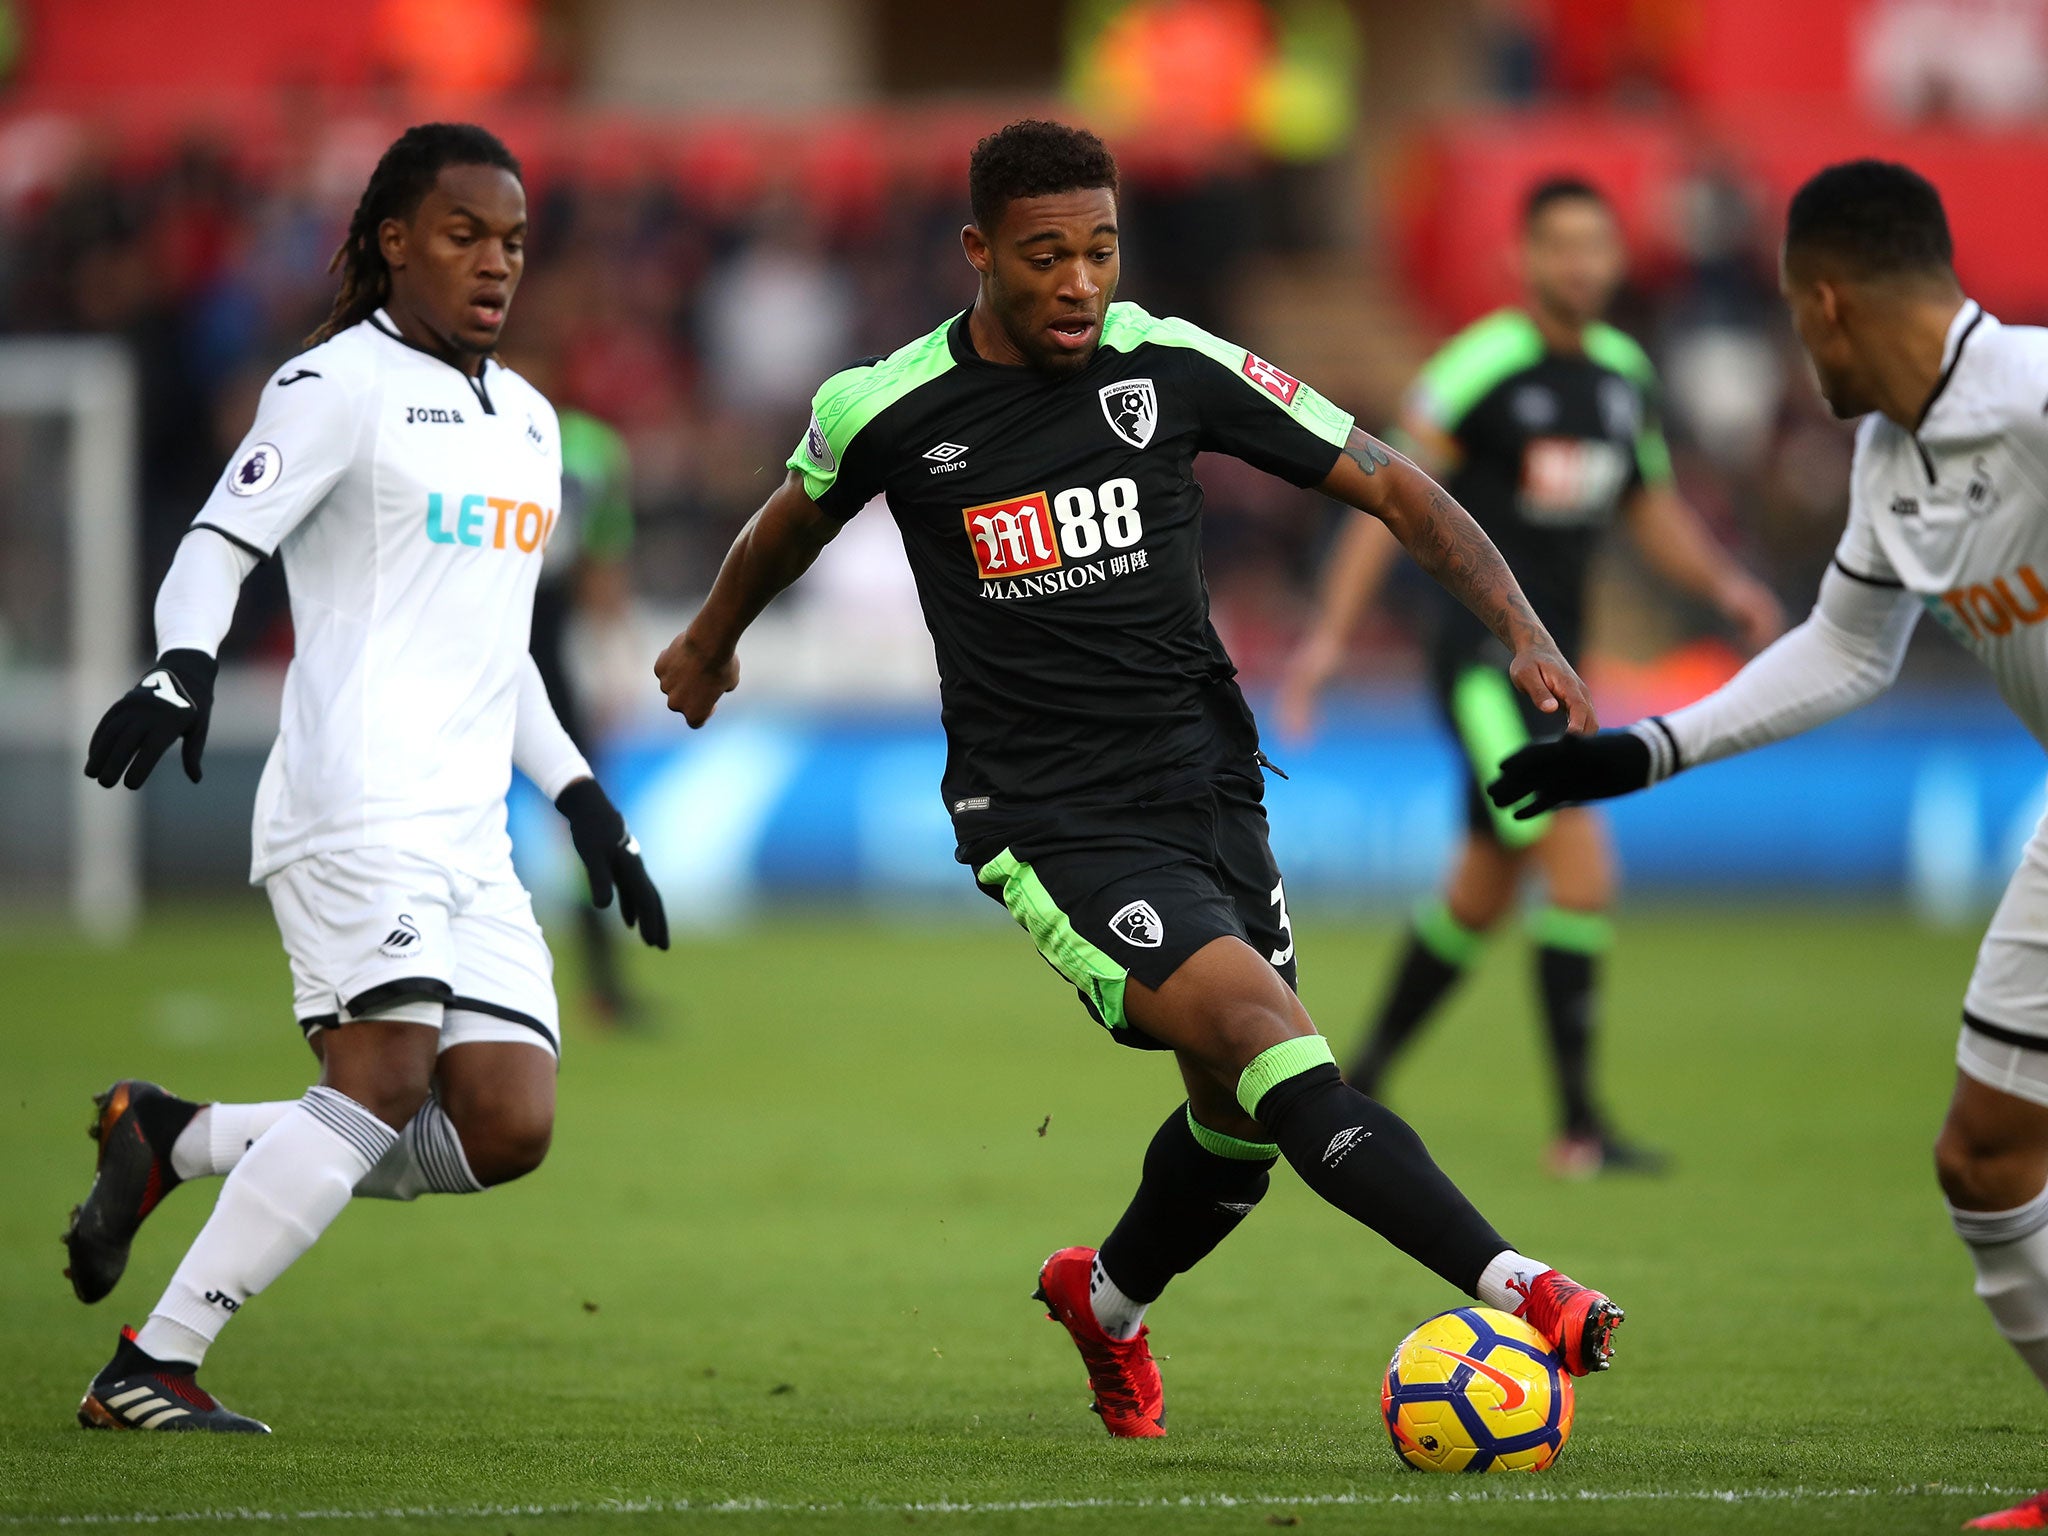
(1948, 514)
(409, 484)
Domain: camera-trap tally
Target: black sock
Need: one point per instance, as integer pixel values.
(1439, 948)
(1189, 1199)
(1567, 978)
(161, 1119)
(1365, 1160)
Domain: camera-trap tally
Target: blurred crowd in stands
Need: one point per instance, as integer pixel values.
(699, 327)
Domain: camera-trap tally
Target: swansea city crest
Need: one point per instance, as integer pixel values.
(1132, 406)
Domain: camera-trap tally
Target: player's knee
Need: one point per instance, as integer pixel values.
(510, 1144)
(1975, 1167)
(391, 1088)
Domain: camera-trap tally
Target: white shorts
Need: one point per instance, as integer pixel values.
(2004, 1042)
(380, 933)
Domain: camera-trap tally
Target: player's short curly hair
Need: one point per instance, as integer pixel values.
(1034, 158)
(1873, 219)
(1552, 190)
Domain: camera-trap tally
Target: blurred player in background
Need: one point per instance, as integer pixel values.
(584, 571)
(408, 482)
(1103, 770)
(1542, 419)
(1948, 514)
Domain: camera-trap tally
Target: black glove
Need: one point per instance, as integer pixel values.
(1569, 769)
(612, 856)
(174, 698)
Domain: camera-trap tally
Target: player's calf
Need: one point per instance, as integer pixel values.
(1367, 1161)
(1990, 1163)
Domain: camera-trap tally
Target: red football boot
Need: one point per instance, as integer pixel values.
(1579, 1322)
(2028, 1515)
(1121, 1373)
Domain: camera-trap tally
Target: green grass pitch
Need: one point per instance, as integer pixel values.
(774, 1276)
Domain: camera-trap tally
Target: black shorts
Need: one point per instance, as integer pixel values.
(1126, 891)
(1490, 718)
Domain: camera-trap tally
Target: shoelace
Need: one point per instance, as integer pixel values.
(1107, 1375)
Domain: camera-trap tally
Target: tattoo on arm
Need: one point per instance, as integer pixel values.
(1454, 549)
(1365, 453)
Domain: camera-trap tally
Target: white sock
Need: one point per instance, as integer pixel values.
(214, 1140)
(1116, 1312)
(2010, 1249)
(1505, 1283)
(281, 1196)
(427, 1159)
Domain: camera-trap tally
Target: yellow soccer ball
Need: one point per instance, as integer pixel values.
(1476, 1390)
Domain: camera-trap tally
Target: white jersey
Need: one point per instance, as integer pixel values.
(1949, 518)
(410, 505)
(1956, 511)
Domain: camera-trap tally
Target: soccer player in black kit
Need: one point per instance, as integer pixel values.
(1543, 420)
(1103, 771)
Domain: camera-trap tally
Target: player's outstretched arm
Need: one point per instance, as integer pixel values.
(174, 700)
(1447, 543)
(1847, 652)
(1678, 548)
(701, 665)
(1357, 569)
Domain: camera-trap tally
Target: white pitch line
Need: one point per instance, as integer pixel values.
(1027, 1506)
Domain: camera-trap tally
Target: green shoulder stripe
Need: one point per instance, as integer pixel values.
(853, 397)
(1620, 352)
(1473, 363)
(1127, 327)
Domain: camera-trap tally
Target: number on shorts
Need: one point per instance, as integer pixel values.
(1285, 953)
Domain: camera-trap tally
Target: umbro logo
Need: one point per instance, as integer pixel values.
(944, 455)
(402, 937)
(1342, 1144)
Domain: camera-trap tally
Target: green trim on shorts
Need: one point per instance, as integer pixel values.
(1277, 1063)
(1437, 931)
(1490, 725)
(1094, 974)
(1230, 1146)
(1583, 933)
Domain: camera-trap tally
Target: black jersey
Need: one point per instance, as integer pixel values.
(1054, 527)
(1550, 444)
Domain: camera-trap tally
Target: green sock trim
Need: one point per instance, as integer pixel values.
(1583, 933)
(1444, 936)
(1230, 1146)
(1276, 1063)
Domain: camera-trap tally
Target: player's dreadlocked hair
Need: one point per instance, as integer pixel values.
(1033, 158)
(403, 177)
(1873, 219)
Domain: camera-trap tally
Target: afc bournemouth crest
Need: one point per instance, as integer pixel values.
(1139, 924)
(1132, 406)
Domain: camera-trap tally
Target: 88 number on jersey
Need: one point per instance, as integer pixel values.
(1107, 515)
